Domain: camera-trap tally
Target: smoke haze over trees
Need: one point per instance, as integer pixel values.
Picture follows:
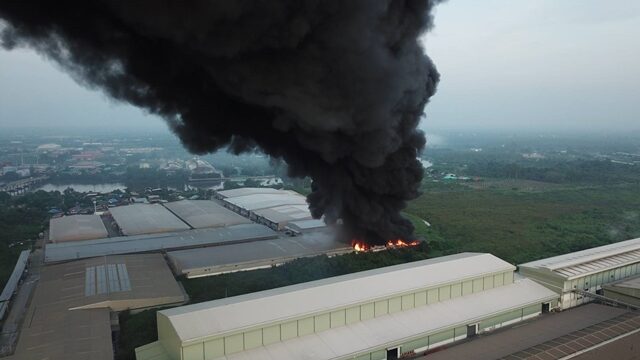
(334, 88)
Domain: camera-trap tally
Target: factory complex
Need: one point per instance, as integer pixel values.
(238, 217)
(93, 267)
(421, 308)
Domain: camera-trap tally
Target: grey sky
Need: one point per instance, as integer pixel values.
(531, 64)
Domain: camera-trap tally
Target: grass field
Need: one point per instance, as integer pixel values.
(520, 226)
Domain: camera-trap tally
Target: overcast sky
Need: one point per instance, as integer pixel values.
(526, 64)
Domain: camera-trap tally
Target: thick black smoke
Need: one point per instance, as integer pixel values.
(336, 88)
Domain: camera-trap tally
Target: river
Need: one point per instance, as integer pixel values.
(98, 188)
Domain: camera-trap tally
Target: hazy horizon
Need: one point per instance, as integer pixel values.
(530, 66)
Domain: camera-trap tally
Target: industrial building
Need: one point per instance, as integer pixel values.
(200, 214)
(280, 216)
(303, 226)
(575, 275)
(157, 242)
(376, 314)
(245, 191)
(76, 227)
(137, 219)
(70, 315)
(626, 291)
(247, 256)
(12, 283)
(271, 207)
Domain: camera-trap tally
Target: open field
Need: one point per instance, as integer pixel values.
(520, 226)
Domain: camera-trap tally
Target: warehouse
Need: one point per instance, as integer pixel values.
(376, 314)
(140, 219)
(280, 216)
(245, 205)
(157, 242)
(247, 256)
(303, 226)
(200, 214)
(626, 291)
(70, 315)
(76, 227)
(246, 191)
(575, 274)
(11, 285)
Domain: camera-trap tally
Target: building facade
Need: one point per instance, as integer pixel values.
(585, 271)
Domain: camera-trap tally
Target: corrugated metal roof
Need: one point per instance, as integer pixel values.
(589, 261)
(263, 201)
(139, 219)
(232, 314)
(205, 213)
(250, 191)
(64, 323)
(285, 213)
(76, 227)
(300, 225)
(144, 243)
(241, 256)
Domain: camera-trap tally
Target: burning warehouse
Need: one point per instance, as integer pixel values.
(374, 315)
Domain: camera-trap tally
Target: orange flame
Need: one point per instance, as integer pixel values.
(359, 245)
(398, 243)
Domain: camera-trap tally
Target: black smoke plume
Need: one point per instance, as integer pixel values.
(335, 88)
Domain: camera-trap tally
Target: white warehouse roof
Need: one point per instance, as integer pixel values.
(263, 201)
(76, 227)
(222, 316)
(251, 191)
(585, 262)
(137, 219)
(205, 213)
(285, 213)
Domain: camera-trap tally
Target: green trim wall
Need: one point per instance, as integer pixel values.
(459, 332)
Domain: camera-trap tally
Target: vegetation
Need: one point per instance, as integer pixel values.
(520, 226)
(575, 172)
(22, 219)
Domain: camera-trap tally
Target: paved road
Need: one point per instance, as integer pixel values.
(19, 305)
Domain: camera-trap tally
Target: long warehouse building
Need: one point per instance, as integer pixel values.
(373, 315)
(571, 275)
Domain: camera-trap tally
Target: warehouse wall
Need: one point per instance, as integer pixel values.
(594, 282)
(442, 337)
(590, 283)
(232, 343)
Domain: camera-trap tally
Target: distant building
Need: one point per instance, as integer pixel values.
(45, 148)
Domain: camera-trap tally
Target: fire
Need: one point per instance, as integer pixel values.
(359, 245)
(401, 243)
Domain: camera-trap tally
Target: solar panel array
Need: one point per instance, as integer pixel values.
(105, 279)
